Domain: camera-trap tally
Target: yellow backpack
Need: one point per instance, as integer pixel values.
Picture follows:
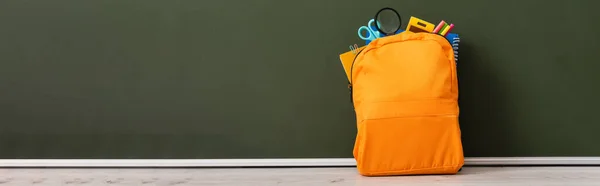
(405, 94)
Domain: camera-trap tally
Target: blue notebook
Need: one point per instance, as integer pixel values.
(454, 41)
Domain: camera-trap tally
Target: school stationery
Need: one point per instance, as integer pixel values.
(418, 25)
(371, 33)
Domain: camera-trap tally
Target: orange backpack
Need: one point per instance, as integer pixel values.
(405, 94)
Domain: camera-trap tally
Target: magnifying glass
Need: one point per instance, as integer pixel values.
(388, 21)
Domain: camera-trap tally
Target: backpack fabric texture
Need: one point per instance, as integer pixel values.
(405, 94)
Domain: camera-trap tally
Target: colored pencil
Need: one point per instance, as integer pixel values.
(443, 31)
(439, 27)
(449, 29)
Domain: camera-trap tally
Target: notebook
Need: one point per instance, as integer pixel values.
(347, 58)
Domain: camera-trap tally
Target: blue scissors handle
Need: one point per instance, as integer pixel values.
(371, 34)
(368, 36)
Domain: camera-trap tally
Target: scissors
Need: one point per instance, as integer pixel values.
(371, 31)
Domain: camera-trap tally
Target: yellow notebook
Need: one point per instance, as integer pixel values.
(346, 59)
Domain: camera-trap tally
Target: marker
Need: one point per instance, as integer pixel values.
(445, 30)
(441, 32)
(439, 27)
(449, 28)
(443, 27)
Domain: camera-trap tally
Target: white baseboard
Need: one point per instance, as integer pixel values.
(316, 162)
(310, 162)
(533, 161)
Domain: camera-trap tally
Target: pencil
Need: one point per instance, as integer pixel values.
(439, 27)
(443, 30)
(449, 28)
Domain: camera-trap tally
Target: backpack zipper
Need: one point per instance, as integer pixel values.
(350, 81)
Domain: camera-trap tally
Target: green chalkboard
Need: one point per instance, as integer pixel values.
(262, 79)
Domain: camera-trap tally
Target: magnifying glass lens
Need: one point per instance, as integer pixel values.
(388, 21)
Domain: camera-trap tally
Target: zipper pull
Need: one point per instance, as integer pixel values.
(350, 91)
